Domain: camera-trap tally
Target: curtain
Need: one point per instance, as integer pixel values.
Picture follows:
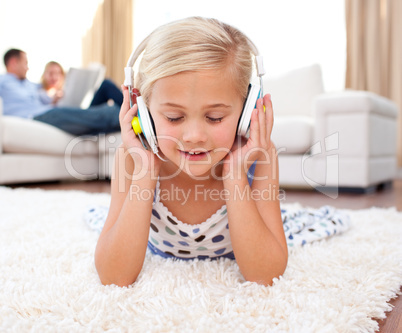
(109, 40)
(374, 50)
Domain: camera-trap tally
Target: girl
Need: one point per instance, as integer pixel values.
(52, 82)
(194, 76)
(52, 85)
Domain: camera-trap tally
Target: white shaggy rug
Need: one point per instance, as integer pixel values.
(49, 282)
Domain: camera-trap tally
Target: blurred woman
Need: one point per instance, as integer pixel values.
(52, 81)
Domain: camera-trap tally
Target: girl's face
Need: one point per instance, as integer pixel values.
(53, 76)
(195, 116)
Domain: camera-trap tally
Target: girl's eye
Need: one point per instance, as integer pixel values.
(172, 120)
(215, 120)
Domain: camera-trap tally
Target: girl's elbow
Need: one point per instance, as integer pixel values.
(108, 278)
(117, 282)
(111, 276)
(267, 279)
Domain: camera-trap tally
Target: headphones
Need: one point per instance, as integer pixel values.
(143, 124)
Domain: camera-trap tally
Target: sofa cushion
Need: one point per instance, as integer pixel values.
(293, 92)
(20, 135)
(293, 135)
(109, 142)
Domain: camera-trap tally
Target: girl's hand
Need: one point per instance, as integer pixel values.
(57, 96)
(257, 146)
(143, 159)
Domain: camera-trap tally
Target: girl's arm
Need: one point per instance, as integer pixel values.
(122, 244)
(255, 222)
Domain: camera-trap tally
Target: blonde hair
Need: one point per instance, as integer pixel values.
(195, 44)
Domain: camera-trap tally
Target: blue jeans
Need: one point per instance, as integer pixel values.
(94, 120)
(107, 90)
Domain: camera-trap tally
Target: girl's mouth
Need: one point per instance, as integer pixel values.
(194, 155)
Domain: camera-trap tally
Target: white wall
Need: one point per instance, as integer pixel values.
(46, 30)
(288, 33)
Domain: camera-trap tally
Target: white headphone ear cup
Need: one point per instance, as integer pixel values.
(249, 106)
(147, 124)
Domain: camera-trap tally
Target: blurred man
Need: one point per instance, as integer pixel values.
(21, 98)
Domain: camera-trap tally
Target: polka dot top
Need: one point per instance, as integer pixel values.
(170, 237)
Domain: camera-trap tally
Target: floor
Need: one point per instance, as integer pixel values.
(389, 196)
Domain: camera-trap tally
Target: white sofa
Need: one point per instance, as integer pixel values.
(31, 151)
(325, 141)
(333, 140)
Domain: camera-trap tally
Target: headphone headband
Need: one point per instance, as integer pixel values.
(129, 72)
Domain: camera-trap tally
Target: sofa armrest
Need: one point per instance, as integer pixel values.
(356, 123)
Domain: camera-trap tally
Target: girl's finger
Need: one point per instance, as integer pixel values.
(262, 121)
(135, 94)
(254, 128)
(125, 106)
(128, 135)
(128, 117)
(269, 113)
(125, 92)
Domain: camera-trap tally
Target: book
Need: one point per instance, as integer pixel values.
(81, 84)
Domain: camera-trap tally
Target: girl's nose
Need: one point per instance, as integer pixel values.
(194, 132)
